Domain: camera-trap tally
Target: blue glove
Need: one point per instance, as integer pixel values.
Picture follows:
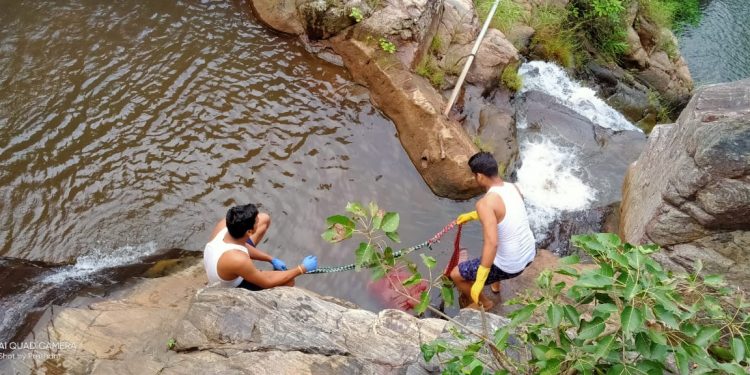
(310, 263)
(278, 264)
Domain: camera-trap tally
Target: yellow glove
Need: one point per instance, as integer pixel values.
(467, 217)
(476, 289)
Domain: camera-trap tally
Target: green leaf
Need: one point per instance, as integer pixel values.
(390, 222)
(738, 349)
(377, 221)
(631, 319)
(572, 315)
(713, 280)
(428, 351)
(424, 301)
(732, 368)
(522, 314)
(604, 310)
(620, 259)
(569, 260)
(591, 329)
(593, 279)
(681, 360)
(388, 258)
(328, 235)
(448, 296)
(340, 219)
(412, 280)
(428, 261)
(554, 315)
(666, 317)
(707, 336)
(378, 272)
(364, 255)
(393, 236)
(632, 287)
(604, 346)
(567, 271)
(355, 208)
(544, 279)
(501, 337)
(643, 344)
(657, 336)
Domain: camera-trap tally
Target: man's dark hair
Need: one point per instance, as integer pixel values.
(484, 163)
(241, 219)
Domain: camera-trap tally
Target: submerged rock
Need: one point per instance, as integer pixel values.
(690, 189)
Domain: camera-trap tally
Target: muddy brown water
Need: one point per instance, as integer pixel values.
(128, 127)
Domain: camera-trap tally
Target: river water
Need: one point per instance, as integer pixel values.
(718, 48)
(130, 127)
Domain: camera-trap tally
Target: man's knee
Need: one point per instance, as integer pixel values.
(456, 275)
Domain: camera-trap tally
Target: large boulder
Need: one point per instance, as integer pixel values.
(690, 189)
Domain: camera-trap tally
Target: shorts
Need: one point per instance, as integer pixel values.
(468, 271)
(249, 286)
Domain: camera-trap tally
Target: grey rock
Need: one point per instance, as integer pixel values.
(690, 189)
(498, 129)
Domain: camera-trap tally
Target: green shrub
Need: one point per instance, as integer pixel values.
(387, 46)
(506, 16)
(602, 22)
(672, 14)
(510, 77)
(436, 44)
(555, 38)
(356, 14)
(625, 314)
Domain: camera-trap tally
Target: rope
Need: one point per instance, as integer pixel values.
(435, 239)
(456, 252)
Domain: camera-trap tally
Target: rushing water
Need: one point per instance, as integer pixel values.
(718, 48)
(129, 127)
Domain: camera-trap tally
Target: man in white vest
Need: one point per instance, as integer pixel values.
(509, 245)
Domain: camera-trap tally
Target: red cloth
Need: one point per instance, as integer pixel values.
(456, 250)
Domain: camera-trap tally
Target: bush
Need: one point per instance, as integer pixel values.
(672, 14)
(625, 316)
(510, 77)
(603, 23)
(506, 16)
(555, 38)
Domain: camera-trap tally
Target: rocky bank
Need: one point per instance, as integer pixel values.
(689, 191)
(234, 331)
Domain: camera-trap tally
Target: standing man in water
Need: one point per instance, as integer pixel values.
(228, 257)
(509, 245)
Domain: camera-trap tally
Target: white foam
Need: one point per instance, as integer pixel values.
(552, 80)
(100, 259)
(549, 184)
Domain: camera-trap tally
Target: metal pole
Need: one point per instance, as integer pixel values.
(467, 66)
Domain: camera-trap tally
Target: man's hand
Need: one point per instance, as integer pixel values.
(476, 289)
(310, 263)
(278, 264)
(467, 217)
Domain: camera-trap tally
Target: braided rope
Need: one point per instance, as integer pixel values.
(348, 267)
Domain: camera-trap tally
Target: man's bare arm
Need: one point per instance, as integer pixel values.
(244, 267)
(257, 254)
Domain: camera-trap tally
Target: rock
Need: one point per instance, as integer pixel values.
(324, 18)
(280, 15)
(632, 103)
(497, 128)
(494, 54)
(458, 25)
(594, 220)
(520, 36)
(689, 191)
(438, 147)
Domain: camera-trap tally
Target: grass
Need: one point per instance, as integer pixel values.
(510, 77)
(554, 38)
(507, 15)
(672, 14)
(436, 44)
(429, 69)
(659, 104)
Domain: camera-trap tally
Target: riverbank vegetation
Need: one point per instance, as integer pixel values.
(584, 29)
(623, 314)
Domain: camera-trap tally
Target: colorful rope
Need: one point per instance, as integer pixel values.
(435, 239)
